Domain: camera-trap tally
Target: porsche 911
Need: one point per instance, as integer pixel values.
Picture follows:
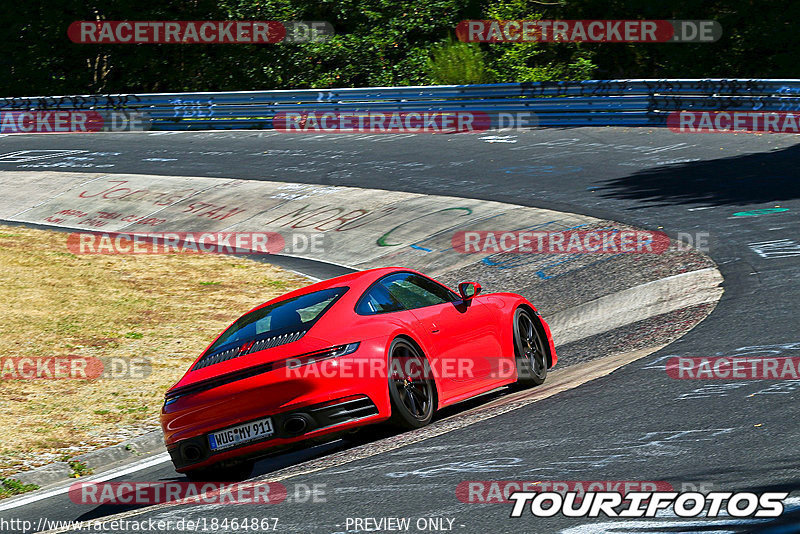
(387, 345)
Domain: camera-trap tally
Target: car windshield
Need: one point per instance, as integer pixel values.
(284, 316)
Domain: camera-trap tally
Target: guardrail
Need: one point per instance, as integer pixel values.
(640, 102)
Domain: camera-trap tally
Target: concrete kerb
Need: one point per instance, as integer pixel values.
(133, 448)
(97, 460)
(642, 302)
(45, 475)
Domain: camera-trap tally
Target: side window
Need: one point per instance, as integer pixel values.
(432, 287)
(403, 291)
(377, 300)
(414, 291)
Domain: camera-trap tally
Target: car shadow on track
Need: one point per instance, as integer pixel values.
(739, 180)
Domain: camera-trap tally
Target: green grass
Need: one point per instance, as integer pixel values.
(107, 306)
(79, 469)
(10, 486)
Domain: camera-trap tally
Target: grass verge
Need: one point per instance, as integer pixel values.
(10, 487)
(165, 308)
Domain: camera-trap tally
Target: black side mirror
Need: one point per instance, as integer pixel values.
(469, 290)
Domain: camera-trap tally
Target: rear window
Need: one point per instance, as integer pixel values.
(298, 313)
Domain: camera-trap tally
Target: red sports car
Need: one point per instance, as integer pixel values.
(381, 345)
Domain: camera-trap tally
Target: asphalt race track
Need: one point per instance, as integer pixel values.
(636, 424)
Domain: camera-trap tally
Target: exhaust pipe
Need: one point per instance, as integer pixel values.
(191, 453)
(296, 424)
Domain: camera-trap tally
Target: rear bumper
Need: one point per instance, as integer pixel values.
(323, 398)
(290, 427)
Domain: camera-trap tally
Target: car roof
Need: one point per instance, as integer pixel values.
(358, 282)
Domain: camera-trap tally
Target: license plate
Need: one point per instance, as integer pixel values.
(239, 434)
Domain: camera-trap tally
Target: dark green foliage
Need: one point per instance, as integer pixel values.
(377, 43)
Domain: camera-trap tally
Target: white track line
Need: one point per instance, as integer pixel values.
(126, 470)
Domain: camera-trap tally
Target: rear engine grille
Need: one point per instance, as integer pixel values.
(247, 348)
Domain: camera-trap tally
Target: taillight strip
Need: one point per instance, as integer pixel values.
(294, 361)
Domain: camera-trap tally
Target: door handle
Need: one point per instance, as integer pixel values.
(434, 328)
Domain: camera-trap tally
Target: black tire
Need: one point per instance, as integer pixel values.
(412, 390)
(222, 473)
(530, 349)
